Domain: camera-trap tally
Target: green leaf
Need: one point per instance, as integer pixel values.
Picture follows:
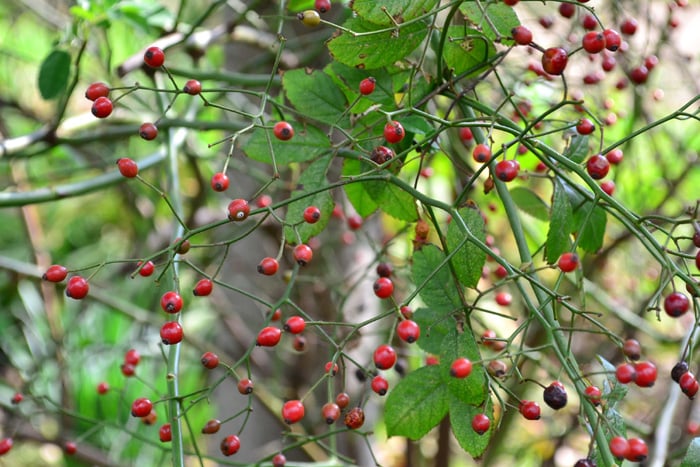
(589, 225)
(417, 404)
(468, 261)
(461, 415)
(435, 325)
(558, 240)
(400, 10)
(356, 192)
(613, 390)
(315, 95)
(348, 79)
(439, 292)
(391, 199)
(375, 50)
(528, 201)
(692, 455)
(577, 150)
(308, 143)
(312, 178)
(53, 74)
(495, 19)
(472, 389)
(467, 50)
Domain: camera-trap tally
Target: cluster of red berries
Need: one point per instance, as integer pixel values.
(77, 287)
(685, 379)
(632, 449)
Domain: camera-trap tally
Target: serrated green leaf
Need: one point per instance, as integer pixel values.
(307, 144)
(558, 240)
(494, 19)
(391, 199)
(474, 388)
(53, 74)
(372, 51)
(589, 225)
(312, 178)
(468, 260)
(467, 50)
(461, 415)
(357, 194)
(577, 150)
(399, 10)
(315, 95)
(417, 404)
(692, 455)
(528, 201)
(438, 289)
(435, 325)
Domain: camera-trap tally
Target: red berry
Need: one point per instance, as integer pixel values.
(568, 262)
(269, 336)
(465, 134)
(481, 153)
(394, 132)
(585, 127)
(593, 42)
(245, 386)
(147, 269)
(342, 399)
(322, 6)
(303, 254)
(608, 63)
(127, 167)
(554, 60)
(210, 360)
(211, 427)
(332, 368)
(567, 10)
(506, 170)
(354, 221)
(355, 418)
(530, 410)
(689, 384)
(70, 448)
(597, 166)
(638, 450)
(383, 287)
(546, 22)
(504, 298)
(165, 433)
(171, 333)
(141, 407)
(628, 26)
(295, 325)
(292, 411)
(283, 131)
(203, 288)
(331, 412)
(279, 460)
(612, 39)
(128, 369)
(96, 90)
(148, 131)
(132, 357)
(555, 396)
(381, 155)
(521, 35)
(461, 367)
(646, 374)
(102, 388)
(77, 287)
(625, 373)
(481, 423)
(639, 74)
(619, 447)
(219, 182)
(676, 304)
(276, 315)
(5, 446)
(614, 156)
(367, 86)
(171, 302)
(55, 273)
(380, 385)
(632, 349)
(17, 398)
(408, 331)
(384, 357)
(268, 266)
(312, 214)
(589, 22)
(238, 210)
(594, 394)
(230, 445)
(192, 87)
(154, 57)
(102, 107)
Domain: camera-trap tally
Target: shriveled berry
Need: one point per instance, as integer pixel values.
(497, 368)
(219, 182)
(380, 385)
(367, 86)
(283, 131)
(102, 107)
(268, 266)
(461, 367)
(383, 287)
(154, 57)
(331, 412)
(408, 331)
(77, 288)
(171, 302)
(292, 411)
(530, 410)
(203, 287)
(355, 418)
(678, 370)
(555, 396)
(632, 349)
(127, 167)
(210, 360)
(269, 336)
(230, 445)
(299, 343)
(141, 407)
(55, 273)
(211, 427)
(481, 423)
(96, 90)
(312, 214)
(171, 333)
(676, 304)
(192, 87)
(148, 131)
(384, 270)
(245, 386)
(238, 210)
(303, 254)
(384, 357)
(295, 325)
(381, 155)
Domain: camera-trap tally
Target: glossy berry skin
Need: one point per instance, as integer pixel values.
(312, 214)
(148, 131)
(384, 357)
(625, 373)
(211, 427)
(466, 134)
(132, 357)
(676, 304)
(310, 18)
(597, 166)
(171, 333)
(209, 360)
(141, 407)
(615, 156)
(238, 210)
(555, 396)
(568, 262)
(102, 388)
(127, 167)
(192, 87)
(628, 26)
(461, 368)
(295, 325)
(102, 107)
(689, 384)
(331, 368)
(203, 288)
(5, 446)
(268, 266)
(530, 410)
(77, 288)
(380, 385)
(619, 447)
(219, 182)
(612, 39)
(632, 349)
(481, 423)
(383, 287)
(354, 221)
(481, 153)
(171, 302)
(678, 370)
(96, 90)
(292, 411)
(269, 336)
(245, 386)
(154, 57)
(504, 298)
(367, 86)
(279, 460)
(55, 273)
(165, 433)
(330, 412)
(283, 131)
(303, 254)
(585, 127)
(394, 132)
(567, 10)
(322, 6)
(608, 186)
(639, 75)
(554, 60)
(593, 42)
(342, 399)
(638, 450)
(521, 35)
(408, 331)
(506, 170)
(147, 269)
(128, 369)
(230, 445)
(355, 418)
(594, 394)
